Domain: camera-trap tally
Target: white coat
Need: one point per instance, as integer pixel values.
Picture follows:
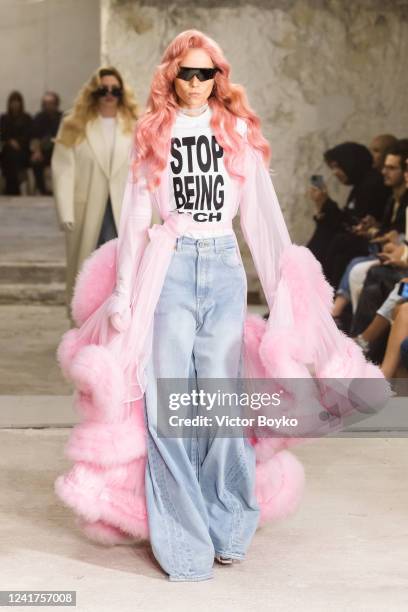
(82, 181)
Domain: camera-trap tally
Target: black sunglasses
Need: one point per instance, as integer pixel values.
(203, 74)
(104, 90)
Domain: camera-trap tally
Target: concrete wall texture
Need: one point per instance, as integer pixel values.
(47, 44)
(317, 72)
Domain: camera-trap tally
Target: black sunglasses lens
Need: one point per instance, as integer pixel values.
(203, 74)
(186, 73)
(103, 91)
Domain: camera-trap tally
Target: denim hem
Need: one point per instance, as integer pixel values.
(223, 553)
(177, 578)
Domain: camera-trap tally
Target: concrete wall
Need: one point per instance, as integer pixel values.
(48, 44)
(316, 71)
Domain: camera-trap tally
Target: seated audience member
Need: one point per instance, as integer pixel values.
(404, 353)
(391, 229)
(15, 133)
(380, 281)
(378, 149)
(333, 242)
(45, 128)
(382, 320)
(392, 365)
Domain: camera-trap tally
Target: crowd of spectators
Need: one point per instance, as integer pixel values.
(26, 143)
(363, 247)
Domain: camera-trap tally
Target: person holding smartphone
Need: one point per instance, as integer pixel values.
(327, 217)
(381, 237)
(333, 242)
(393, 313)
(381, 292)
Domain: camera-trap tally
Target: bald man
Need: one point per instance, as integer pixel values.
(378, 149)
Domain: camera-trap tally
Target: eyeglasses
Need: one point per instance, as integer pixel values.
(104, 90)
(203, 74)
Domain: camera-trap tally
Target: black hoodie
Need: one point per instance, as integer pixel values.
(369, 195)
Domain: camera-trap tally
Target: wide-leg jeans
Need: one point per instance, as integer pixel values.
(200, 490)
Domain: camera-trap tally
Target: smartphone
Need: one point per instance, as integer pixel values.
(403, 290)
(317, 181)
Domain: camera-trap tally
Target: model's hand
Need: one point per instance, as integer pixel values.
(118, 322)
(118, 311)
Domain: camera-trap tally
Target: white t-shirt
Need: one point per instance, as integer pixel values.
(109, 127)
(199, 182)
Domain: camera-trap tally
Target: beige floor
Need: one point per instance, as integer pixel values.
(345, 549)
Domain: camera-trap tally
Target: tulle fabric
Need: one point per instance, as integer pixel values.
(141, 267)
(144, 254)
(133, 347)
(262, 223)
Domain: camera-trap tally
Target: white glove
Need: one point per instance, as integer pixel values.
(119, 312)
(119, 322)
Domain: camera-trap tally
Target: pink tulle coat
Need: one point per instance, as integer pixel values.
(105, 485)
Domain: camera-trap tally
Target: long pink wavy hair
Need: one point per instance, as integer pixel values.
(227, 101)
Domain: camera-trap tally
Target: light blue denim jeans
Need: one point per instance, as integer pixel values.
(200, 491)
(344, 285)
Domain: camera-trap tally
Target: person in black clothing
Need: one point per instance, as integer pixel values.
(393, 219)
(45, 128)
(379, 283)
(377, 234)
(334, 242)
(379, 147)
(15, 133)
(394, 213)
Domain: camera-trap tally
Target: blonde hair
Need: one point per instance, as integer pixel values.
(85, 108)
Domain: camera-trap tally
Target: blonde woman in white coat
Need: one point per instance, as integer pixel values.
(90, 165)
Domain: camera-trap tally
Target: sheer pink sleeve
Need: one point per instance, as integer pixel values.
(135, 220)
(262, 222)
